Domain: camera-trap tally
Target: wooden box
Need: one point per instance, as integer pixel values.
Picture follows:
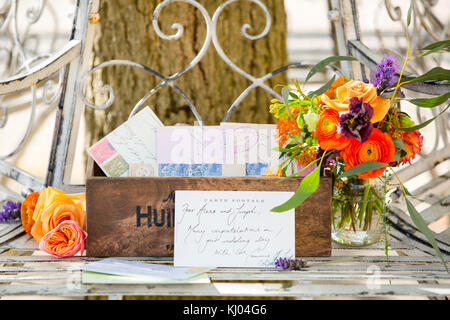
(119, 224)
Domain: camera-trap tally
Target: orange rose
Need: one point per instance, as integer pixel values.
(326, 131)
(379, 148)
(358, 89)
(55, 206)
(336, 84)
(65, 240)
(27, 210)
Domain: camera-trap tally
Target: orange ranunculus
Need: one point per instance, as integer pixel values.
(27, 210)
(326, 131)
(413, 142)
(65, 240)
(379, 148)
(55, 206)
(359, 89)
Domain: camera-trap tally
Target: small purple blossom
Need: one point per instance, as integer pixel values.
(10, 211)
(355, 123)
(290, 264)
(386, 72)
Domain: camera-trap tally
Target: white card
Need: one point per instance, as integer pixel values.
(122, 267)
(134, 141)
(232, 228)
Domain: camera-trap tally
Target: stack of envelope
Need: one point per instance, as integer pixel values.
(143, 146)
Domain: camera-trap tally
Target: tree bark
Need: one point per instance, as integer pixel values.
(126, 32)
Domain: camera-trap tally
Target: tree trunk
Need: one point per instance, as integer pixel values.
(127, 33)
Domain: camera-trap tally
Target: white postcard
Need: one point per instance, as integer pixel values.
(232, 228)
(134, 141)
(120, 267)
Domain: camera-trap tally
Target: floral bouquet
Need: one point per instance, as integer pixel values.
(55, 219)
(354, 130)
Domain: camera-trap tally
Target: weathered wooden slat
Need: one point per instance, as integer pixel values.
(21, 176)
(399, 220)
(42, 71)
(7, 228)
(313, 268)
(435, 212)
(253, 276)
(14, 233)
(313, 260)
(228, 289)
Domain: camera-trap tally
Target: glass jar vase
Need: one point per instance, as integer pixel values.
(357, 211)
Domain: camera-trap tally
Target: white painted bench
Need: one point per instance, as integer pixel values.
(412, 271)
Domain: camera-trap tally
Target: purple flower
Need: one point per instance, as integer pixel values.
(282, 263)
(11, 211)
(290, 264)
(385, 74)
(355, 123)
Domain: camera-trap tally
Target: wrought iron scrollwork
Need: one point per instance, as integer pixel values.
(20, 60)
(211, 36)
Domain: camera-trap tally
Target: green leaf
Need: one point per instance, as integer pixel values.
(435, 74)
(293, 95)
(398, 143)
(285, 93)
(280, 149)
(322, 89)
(322, 64)
(430, 102)
(438, 45)
(423, 124)
(363, 167)
(422, 226)
(307, 187)
(397, 156)
(408, 18)
(300, 171)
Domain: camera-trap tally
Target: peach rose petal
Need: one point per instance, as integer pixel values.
(57, 212)
(359, 89)
(54, 206)
(66, 240)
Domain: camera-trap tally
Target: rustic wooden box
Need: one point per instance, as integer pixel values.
(118, 223)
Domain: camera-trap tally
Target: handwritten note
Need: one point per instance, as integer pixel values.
(134, 141)
(232, 228)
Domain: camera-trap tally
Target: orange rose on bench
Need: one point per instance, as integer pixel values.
(55, 206)
(65, 240)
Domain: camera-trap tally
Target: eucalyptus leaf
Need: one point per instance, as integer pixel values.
(322, 64)
(293, 95)
(408, 18)
(398, 143)
(300, 171)
(322, 89)
(435, 74)
(438, 45)
(308, 186)
(363, 167)
(423, 228)
(430, 102)
(423, 124)
(285, 93)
